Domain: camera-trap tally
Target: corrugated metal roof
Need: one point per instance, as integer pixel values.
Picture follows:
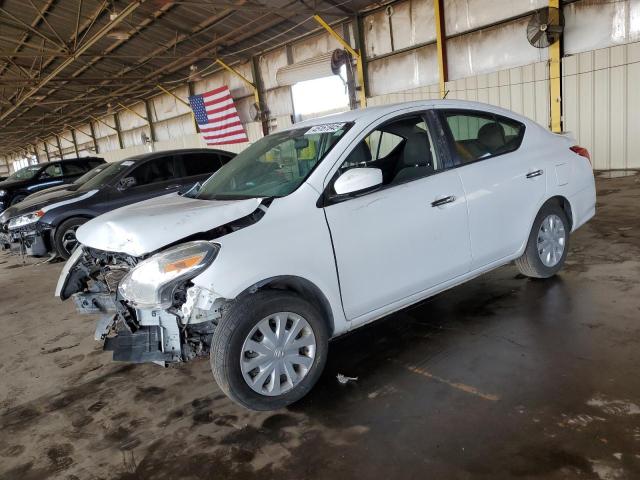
(157, 42)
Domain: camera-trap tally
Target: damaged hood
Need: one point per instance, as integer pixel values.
(147, 226)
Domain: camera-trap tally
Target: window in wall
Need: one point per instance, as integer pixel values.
(402, 149)
(479, 135)
(320, 96)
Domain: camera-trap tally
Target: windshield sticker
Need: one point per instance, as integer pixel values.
(126, 163)
(326, 128)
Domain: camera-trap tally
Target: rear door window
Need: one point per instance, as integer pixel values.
(200, 163)
(75, 168)
(155, 171)
(52, 171)
(94, 163)
(479, 135)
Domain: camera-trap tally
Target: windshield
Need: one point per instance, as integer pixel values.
(25, 173)
(275, 165)
(90, 174)
(104, 176)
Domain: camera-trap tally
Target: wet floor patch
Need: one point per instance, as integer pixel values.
(616, 173)
(503, 377)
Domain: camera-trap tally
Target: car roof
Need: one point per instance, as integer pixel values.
(65, 160)
(370, 114)
(165, 153)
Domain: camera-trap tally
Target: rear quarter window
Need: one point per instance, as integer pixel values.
(479, 135)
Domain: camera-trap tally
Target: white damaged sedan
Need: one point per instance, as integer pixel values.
(324, 227)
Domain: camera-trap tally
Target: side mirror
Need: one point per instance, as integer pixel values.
(358, 179)
(126, 183)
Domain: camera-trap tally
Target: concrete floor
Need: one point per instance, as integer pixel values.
(503, 377)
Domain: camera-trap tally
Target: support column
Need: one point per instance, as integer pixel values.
(93, 137)
(75, 142)
(555, 78)
(116, 122)
(59, 146)
(441, 45)
(46, 151)
(152, 127)
(259, 93)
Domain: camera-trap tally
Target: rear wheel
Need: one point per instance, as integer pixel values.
(269, 349)
(548, 243)
(64, 240)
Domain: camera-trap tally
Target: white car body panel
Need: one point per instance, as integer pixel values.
(392, 243)
(380, 264)
(501, 202)
(253, 254)
(149, 225)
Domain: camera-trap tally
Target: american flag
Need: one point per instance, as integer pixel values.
(217, 117)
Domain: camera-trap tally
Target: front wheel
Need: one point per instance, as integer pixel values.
(548, 243)
(17, 199)
(64, 240)
(269, 349)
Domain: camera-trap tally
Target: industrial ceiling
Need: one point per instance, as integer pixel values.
(62, 61)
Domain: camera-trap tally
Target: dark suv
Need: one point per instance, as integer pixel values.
(38, 226)
(33, 178)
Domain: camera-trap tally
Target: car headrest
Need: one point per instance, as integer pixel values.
(416, 151)
(491, 135)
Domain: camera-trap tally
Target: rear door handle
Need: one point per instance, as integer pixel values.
(535, 173)
(443, 201)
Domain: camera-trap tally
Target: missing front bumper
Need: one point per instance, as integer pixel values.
(30, 243)
(144, 345)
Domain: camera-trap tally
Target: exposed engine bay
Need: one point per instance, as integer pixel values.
(174, 334)
(178, 320)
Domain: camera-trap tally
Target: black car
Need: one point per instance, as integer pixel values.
(33, 178)
(37, 198)
(50, 225)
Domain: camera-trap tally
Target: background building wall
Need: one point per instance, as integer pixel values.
(489, 60)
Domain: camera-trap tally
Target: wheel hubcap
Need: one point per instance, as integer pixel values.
(278, 353)
(551, 240)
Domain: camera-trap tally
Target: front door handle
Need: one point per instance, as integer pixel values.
(443, 201)
(171, 187)
(535, 173)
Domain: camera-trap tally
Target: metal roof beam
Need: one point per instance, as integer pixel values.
(95, 38)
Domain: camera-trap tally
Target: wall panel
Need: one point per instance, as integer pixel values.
(601, 104)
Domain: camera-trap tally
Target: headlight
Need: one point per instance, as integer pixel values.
(2, 193)
(150, 284)
(22, 220)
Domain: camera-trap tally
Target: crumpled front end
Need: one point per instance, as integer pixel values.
(176, 332)
(147, 306)
(33, 240)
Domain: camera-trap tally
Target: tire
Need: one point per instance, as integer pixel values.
(61, 240)
(228, 348)
(531, 263)
(17, 199)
